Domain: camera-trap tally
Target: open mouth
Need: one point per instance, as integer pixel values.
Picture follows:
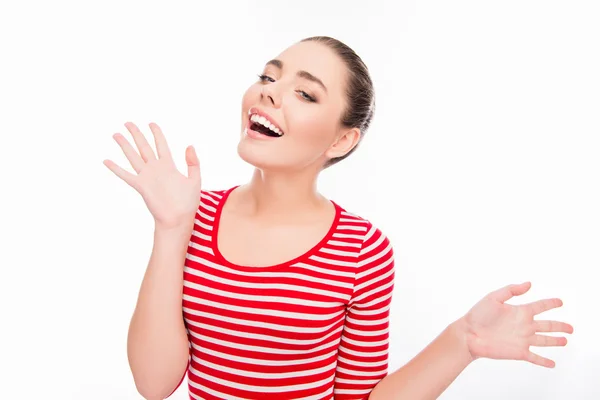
(263, 126)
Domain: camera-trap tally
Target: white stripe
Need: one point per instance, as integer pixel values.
(343, 244)
(265, 375)
(351, 228)
(258, 324)
(375, 244)
(261, 389)
(347, 236)
(257, 361)
(376, 300)
(338, 252)
(350, 214)
(371, 312)
(333, 262)
(199, 247)
(363, 353)
(208, 207)
(378, 277)
(362, 343)
(360, 393)
(370, 233)
(210, 391)
(290, 275)
(375, 256)
(201, 235)
(269, 350)
(205, 216)
(202, 224)
(376, 290)
(251, 297)
(352, 219)
(362, 373)
(209, 198)
(258, 336)
(264, 286)
(366, 333)
(358, 381)
(367, 322)
(355, 363)
(377, 267)
(214, 193)
(320, 396)
(326, 271)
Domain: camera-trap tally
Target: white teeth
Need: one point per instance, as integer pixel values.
(263, 121)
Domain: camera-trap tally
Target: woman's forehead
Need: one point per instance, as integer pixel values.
(317, 59)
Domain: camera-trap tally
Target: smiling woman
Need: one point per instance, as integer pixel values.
(269, 290)
(320, 94)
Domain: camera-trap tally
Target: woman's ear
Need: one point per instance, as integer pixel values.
(345, 142)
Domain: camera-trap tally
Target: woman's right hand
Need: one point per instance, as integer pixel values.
(171, 197)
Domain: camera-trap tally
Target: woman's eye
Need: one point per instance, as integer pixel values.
(306, 96)
(265, 78)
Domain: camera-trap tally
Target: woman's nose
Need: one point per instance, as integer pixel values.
(269, 93)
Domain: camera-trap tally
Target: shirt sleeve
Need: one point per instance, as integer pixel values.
(363, 351)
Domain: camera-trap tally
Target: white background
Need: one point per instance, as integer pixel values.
(482, 166)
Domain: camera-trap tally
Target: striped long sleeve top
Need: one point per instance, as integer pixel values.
(315, 327)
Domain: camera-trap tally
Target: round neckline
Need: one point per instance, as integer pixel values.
(307, 254)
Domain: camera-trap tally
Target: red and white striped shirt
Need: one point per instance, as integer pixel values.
(315, 327)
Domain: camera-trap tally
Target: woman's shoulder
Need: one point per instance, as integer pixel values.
(375, 250)
(217, 192)
(214, 195)
(360, 224)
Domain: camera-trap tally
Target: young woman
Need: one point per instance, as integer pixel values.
(286, 294)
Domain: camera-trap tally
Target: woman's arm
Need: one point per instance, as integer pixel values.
(491, 329)
(363, 351)
(157, 344)
(428, 374)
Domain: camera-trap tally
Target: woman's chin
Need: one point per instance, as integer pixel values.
(263, 158)
(258, 158)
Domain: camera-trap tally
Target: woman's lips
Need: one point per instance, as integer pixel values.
(251, 133)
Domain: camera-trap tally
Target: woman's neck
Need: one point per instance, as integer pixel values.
(277, 194)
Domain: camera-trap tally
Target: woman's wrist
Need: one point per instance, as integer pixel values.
(178, 232)
(459, 333)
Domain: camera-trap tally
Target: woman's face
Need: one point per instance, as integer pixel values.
(302, 96)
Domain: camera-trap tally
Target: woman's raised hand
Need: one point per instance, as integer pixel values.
(171, 197)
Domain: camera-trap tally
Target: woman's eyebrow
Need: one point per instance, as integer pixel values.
(302, 74)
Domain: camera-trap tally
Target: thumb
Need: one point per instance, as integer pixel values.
(508, 292)
(191, 158)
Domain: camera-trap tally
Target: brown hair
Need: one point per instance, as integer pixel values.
(359, 91)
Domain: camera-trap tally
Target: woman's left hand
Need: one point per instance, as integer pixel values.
(503, 331)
